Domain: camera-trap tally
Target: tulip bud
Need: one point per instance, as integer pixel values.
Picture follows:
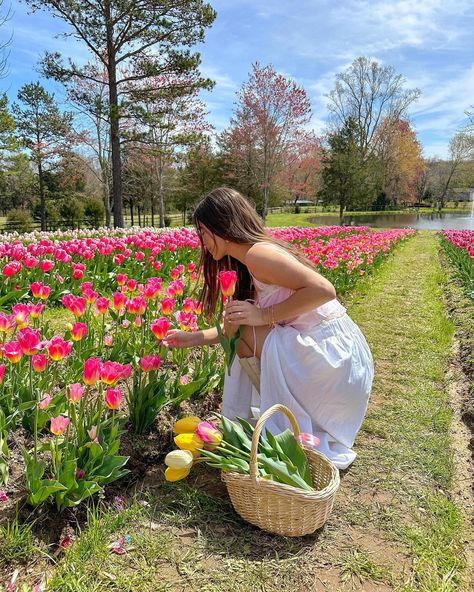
(179, 459)
(188, 442)
(208, 433)
(186, 424)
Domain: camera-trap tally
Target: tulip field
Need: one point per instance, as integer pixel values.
(83, 317)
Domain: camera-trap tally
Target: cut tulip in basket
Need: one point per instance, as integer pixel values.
(280, 483)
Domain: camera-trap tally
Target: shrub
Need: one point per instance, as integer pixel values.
(20, 220)
(94, 212)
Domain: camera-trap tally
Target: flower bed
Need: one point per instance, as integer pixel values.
(75, 383)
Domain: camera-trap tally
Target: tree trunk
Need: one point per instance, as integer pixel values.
(139, 216)
(161, 197)
(114, 126)
(341, 212)
(42, 196)
(131, 213)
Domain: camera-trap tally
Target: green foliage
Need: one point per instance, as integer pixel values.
(345, 175)
(20, 220)
(94, 211)
(71, 210)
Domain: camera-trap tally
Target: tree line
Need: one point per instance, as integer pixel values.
(134, 139)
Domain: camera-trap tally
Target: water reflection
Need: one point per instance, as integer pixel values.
(434, 221)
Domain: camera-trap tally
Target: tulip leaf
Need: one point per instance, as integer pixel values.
(282, 472)
(44, 489)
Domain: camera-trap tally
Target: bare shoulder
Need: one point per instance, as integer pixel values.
(263, 259)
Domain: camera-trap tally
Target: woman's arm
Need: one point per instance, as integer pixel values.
(273, 266)
(181, 339)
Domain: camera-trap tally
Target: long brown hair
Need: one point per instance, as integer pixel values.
(228, 214)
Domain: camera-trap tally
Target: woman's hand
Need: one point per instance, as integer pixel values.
(241, 312)
(180, 339)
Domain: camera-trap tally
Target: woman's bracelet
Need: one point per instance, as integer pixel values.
(269, 316)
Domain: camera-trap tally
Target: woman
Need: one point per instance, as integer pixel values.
(298, 345)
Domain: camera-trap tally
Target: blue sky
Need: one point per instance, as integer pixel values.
(429, 42)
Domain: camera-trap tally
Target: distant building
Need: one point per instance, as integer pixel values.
(462, 194)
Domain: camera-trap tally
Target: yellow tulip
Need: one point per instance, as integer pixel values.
(188, 442)
(186, 424)
(176, 474)
(179, 459)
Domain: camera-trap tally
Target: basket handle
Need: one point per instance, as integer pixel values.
(258, 430)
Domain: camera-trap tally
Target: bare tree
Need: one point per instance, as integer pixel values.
(461, 149)
(369, 94)
(4, 43)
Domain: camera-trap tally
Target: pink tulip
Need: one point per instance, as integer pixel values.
(79, 330)
(92, 371)
(111, 372)
(149, 363)
(167, 305)
(59, 425)
(160, 327)
(46, 265)
(7, 323)
(2, 372)
(39, 362)
(208, 433)
(113, 397)
(45, 401)
(75, 391)
(58, 348)
(35, 310)
(308, 439)
(13, 352)
(29, 340)
(102, 305)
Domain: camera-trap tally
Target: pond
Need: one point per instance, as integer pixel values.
(436, 221)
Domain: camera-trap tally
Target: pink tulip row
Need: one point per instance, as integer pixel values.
(463, 239)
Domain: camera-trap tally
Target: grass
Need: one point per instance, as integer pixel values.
(17, 542)
(394, 525)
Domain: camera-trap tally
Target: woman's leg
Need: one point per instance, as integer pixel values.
(251, 341)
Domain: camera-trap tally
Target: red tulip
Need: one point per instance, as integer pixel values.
(39, 290)
(35, 310)
(7, 323)
(119, 300)
(228, 281)
(46, 265)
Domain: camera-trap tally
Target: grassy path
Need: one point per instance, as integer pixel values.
(394, 525)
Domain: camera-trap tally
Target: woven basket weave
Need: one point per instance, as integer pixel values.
(279, 508)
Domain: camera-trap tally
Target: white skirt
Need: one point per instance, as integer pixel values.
(323, 375)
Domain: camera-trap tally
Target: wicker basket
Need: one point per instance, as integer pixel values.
(279, 508)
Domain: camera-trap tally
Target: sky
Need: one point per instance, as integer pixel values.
(429, 42)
